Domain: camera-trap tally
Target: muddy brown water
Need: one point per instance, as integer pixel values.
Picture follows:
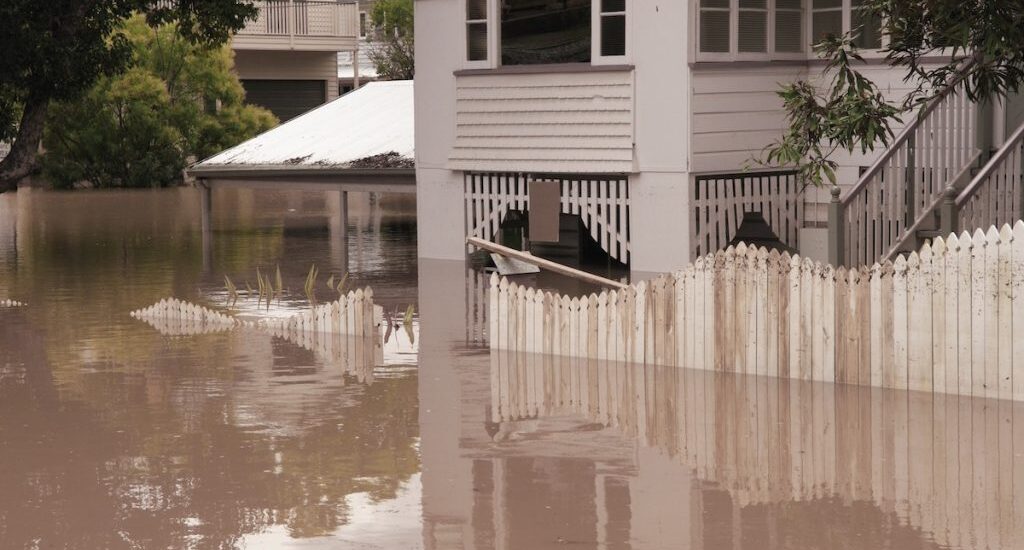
(113, 435)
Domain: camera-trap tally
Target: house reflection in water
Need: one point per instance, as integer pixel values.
(606, 455)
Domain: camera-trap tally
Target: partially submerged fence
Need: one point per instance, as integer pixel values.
(348, 328)
(940, 320)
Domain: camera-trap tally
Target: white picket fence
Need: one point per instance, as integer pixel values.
(174, 317)
(942, 464)
(353, 316)
(941, 320)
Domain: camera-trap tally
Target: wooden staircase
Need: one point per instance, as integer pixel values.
(895, 204)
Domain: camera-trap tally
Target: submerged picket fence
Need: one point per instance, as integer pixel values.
(348, 328)
(942, 319)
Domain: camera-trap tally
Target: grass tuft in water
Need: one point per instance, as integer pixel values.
(232, 291)
(310, 287)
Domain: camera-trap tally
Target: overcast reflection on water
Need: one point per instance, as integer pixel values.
(113, 435)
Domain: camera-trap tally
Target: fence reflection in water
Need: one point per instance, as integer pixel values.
(945, 464)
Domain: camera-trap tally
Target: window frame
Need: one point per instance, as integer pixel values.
(806, 39)
(493, 22)
(770, 54)
(493, 35)
(596, 37)
(364, 24)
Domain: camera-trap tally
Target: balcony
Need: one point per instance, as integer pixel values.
(304, 25)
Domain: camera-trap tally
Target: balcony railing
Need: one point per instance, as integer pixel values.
(298, 20)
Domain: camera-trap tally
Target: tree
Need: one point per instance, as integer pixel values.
(392, 43)
(180, 99)
(932, 42)
(56, 50)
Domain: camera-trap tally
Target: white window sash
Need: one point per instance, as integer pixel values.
(595, 35)
(493, 31)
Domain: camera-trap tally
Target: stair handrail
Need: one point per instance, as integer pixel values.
(995, 162)
(965, 215)
(905, 134)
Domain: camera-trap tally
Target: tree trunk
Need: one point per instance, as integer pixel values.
(24, 155)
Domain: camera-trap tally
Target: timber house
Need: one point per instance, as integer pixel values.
(643, 116)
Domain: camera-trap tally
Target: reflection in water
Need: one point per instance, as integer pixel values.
(794, 464)
(114, 436)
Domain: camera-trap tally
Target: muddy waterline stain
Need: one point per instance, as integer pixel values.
(115, 436)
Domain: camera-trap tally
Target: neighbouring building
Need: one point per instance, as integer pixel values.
(355, 68)
(647, 114)
(287, 58)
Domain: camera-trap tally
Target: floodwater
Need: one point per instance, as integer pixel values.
(115, 435)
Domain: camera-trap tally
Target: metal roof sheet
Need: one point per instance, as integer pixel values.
(374, 119)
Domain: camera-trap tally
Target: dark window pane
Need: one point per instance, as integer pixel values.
(613, 35)
(556, 32)
(714, 4)
(824, 4)
(753, 31)
(714, 31)
(476, 41)
(613, 5)
(868, 26)
(476, 9)
(826, 23)
(788, 4)
(789, 31)
(754, 4)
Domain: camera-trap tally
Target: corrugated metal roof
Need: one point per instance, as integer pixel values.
(375, 119)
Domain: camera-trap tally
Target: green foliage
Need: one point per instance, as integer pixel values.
(932, 42)
(139, 128)
(393, 44)
(853, 115)
(59, 49)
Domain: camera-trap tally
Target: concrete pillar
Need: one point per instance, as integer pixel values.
(338, 229)
(440, 214)
(659, 221)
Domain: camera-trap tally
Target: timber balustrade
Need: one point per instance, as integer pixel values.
(942, 319)
(907, 182)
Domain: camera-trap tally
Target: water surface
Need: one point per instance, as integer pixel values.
(113, 435)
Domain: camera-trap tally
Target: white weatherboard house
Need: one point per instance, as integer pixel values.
(648, 111)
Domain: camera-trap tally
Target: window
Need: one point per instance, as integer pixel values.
(750, 29)
(826, 19)
(476, 30)
(529, 32)
(730, 30)
(364, 24)
(753, 26)
(535, 32)
(714, 26)
(613, 28)
(789, 28)
(867, 25)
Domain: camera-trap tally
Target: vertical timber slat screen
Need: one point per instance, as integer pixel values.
(719, 202)
(939, 320)
(602, 202)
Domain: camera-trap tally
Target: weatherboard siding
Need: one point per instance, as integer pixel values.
(563, 122)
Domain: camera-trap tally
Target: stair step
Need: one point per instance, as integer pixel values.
(928, 233)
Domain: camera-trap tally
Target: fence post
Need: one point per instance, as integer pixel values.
(836, 229)
(949, 214)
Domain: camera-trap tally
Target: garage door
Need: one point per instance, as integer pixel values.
(286, 98)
